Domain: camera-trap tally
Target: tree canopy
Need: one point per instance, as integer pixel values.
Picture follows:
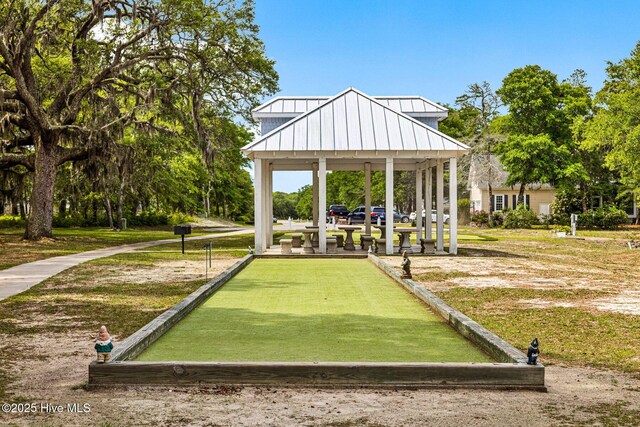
(81, 78)
(615, 127)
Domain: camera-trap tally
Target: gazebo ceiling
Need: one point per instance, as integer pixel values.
(354, 126)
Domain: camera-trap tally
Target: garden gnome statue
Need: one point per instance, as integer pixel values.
(532, 354)
(103, 345)
(406, 266)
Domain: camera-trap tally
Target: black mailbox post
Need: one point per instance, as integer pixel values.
(182, 230)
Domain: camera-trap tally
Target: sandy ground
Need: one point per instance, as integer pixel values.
(57, 376)
(554, 272)
(575, 395)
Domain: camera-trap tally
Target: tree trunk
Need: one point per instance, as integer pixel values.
(62, 208)
(583, 197)
(520, 196)
(107, 207)
(490, 204)
(14, 205)
(119, 207)
(39, 224)
(23, 209)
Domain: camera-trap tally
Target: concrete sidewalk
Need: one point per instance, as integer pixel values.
(21, 277)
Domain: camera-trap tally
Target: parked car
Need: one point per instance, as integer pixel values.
(397, 217)
(357, 216)
(339, 211)
(433, 216)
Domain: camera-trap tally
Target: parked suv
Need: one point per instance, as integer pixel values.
(357, 216)
(339, 211)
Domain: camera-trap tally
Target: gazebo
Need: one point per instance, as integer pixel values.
(356, 132)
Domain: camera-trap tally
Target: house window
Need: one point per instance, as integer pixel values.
(499, 203)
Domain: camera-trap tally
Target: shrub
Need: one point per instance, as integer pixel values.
(10, 221)
(180, 218)
(480, 218)
(520, 217)
(562, 228)
(606, 218)
(77, 220)
(498, 218)
(147, 218)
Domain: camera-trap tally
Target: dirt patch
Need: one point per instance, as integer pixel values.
(627, 302)
(167, 271)
(540, 303)
(572, 395)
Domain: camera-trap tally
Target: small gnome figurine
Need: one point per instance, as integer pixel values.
(406, 266)
(533, 352)
(103, 345)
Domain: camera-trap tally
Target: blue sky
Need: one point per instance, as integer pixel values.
(436, 48)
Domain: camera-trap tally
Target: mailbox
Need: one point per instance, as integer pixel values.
(181, 230)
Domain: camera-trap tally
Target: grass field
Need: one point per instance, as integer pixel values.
(581, 298)
(15, 251)
(313, 310)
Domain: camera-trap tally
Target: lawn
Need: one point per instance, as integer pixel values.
(15, 251)
(581, 298)
(313, 310)
(123, 292)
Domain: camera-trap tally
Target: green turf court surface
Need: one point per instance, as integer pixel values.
(325, 310)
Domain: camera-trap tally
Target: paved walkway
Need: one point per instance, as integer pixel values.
(21, 277)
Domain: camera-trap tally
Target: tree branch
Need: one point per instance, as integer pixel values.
(27, 36)
(69, 154)
(8, 160)
(23, 141)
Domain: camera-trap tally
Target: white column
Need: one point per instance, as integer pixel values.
(314, 168)
(258, 205)
(269, 205)
(266, 219)
(322, 204)
(388, 203)
(453, 206)
(440, 206)
(418, 204)
(428, 202)
(367, 198)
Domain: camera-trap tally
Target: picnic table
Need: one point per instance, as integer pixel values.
(405, 239)
(307, 248)
(348, 242)
(383, 229)
(314, 237)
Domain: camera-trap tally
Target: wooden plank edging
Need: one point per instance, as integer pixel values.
(495, 346)
(334, 374)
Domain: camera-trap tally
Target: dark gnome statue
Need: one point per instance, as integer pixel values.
(406, 266)
(532, 354)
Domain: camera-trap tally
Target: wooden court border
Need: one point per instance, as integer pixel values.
(510, 370)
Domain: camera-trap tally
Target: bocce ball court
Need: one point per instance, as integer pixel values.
(319, 322)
